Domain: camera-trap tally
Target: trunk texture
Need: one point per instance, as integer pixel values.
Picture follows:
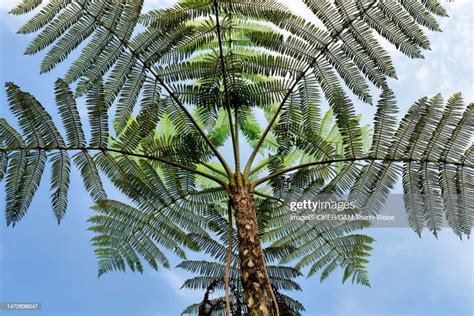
(258, 296)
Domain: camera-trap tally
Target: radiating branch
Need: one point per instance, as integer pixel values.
(272, 121)
(147, 66)
(233, 129)
(361, 159)
(125, 153)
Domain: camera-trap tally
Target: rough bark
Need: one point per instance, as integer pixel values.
(254, 277)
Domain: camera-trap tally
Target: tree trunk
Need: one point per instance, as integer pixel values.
(257, 288)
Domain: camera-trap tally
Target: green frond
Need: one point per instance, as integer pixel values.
(10, 137)
(23, 183)
(377, 20)
(347, 123)
(309, 91)
(60, 179)
(98, 117)
(404, 22)
(25, 6)
(464, 219)
(3, 164)
(412, 197)
(173, 36)
(385, 124)
(47, 13)
(90, 175)
(423, 142)
(435, 7)
(127, 234)
(64, 19)
(420, 14)
(76, 34)
(15, 172)
(138, 130)
(69, 114)
(23, 106)
(107, 43)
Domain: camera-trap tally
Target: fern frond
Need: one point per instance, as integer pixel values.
(21, 193)
(98, 118)
(60, 179)
(69, 114)
(90, 175)
(25, 6)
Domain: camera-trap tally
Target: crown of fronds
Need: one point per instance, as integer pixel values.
(223, 45)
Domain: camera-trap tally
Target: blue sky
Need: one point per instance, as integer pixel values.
(55, 265)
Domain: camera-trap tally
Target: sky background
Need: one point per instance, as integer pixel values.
(55, 265)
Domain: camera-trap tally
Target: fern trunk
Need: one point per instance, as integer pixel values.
(255, 281)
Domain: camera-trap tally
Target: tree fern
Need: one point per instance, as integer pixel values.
(168, 89)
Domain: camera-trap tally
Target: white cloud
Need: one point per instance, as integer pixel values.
(449, 67)
(156, 4)
(7, 5)
(422, 75)
(11, 22)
